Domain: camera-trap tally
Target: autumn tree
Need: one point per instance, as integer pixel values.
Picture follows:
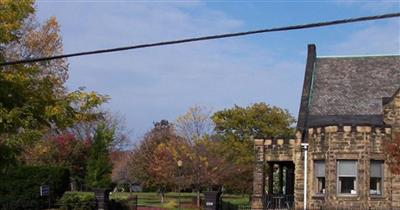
(195, 123)
(164, 164)
(195, 126)
(85, 129)
(33, 98)
(146, 151)
(62, 149)
(238, 125)
(120, 171)
(393, 152)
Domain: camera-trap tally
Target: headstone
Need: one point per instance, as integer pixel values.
(212, 200)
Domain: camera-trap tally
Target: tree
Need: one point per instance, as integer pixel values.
(120, 171)
(238, 125)
(146, 152)
(85, 129)
(163, 166)
(34, 100)
(13, 15)
(60, 150)
(195, 126)
(393, 152)
(99, 165)
(256, 120)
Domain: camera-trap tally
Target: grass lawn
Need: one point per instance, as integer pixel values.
(188, 200)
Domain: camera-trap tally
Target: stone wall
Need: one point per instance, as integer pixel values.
(392, 112)
(392, 117)
(258, 176)
(332, 143)
(275, 150)
(361, 143)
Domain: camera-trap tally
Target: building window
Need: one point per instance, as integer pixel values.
(319, 174)
(376, 177)
(347, 177)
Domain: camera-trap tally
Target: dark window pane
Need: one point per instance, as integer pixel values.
(375, 186)
(347, 185)
(321, 185)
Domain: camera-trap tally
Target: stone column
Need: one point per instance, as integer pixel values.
(259, 179)
(280, 178)
(270, 178)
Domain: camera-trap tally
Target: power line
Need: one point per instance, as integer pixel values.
(220, 36)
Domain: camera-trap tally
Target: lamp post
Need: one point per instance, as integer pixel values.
(179, 163)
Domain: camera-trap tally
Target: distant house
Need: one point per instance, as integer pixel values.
(350, 107)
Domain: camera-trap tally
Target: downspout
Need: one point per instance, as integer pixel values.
(305, 149)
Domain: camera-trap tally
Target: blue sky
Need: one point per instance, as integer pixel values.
(148, 85)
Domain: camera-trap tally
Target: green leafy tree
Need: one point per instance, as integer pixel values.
(99, 166)
(237, 126)
(256, 120)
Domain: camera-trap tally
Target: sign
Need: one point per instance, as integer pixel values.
(44, 190)
(209, 204)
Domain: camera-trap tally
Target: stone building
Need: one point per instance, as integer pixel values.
(349, 109)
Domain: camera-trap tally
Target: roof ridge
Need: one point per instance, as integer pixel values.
(359, 56)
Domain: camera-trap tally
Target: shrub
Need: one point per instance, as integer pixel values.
(171, 204)
(20, 186)
(123, 202)
(77, 201)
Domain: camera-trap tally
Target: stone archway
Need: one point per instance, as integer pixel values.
(275, 188)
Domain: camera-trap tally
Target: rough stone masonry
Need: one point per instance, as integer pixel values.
(349, 110)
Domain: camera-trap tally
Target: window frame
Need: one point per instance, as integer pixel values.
(316, 178)
(338, 182)
(382, 167)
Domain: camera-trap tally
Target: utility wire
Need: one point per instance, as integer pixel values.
(220, 36)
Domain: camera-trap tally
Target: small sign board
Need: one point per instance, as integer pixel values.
(209, 204)
(44, 190)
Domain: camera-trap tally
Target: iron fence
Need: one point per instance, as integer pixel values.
(279, 201)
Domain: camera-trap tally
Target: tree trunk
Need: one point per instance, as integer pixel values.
(162, 195)
(198, 198)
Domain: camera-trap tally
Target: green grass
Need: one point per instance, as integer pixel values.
(188, 200)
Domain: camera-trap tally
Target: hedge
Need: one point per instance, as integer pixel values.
(20, 186)
(77, 200)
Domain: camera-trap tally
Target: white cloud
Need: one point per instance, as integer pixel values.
(373, 39)
(151, 84)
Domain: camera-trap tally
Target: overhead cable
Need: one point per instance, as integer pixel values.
(220, 36)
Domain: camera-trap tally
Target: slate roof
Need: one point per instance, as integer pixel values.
(348, 90)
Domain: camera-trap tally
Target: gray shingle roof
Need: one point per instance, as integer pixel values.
(349, 90)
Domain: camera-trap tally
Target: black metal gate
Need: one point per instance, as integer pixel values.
(279, 202)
